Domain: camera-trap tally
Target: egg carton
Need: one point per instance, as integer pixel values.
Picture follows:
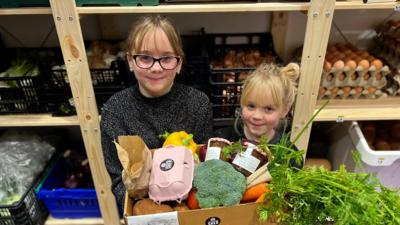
(359, 76)
(348, 92)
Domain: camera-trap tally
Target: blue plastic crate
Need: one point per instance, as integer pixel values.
(67, 203)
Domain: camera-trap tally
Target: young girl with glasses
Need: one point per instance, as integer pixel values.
(156, 103)
(266, 98)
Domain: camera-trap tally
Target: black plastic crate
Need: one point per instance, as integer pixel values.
(24, 3)
(116, 2)
(225, 89)
(22, 95)
(28, 211)
(195, 72)
(240, 50)
(61, 103)
(115, 77)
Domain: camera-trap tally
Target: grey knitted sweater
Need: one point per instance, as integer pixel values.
(128, 112)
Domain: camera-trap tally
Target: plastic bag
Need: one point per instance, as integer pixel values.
(23, 157)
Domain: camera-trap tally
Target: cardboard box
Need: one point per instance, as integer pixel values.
(243, 214)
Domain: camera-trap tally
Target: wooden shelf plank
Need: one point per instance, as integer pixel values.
(28, 120)
(200, 8)
(360, 109)
(360, 5)
(197, 8)
(26, 11)
(85, 221)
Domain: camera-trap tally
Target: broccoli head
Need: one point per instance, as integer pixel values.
(218, 184)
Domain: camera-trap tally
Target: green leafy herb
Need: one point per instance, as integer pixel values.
(317, 196)
(235, 147)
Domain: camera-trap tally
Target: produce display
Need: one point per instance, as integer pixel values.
(23, 156)
(103, 64)
(214, 182)
(76, 171)
(352, 73)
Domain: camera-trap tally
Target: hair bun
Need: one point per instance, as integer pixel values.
(292, 71)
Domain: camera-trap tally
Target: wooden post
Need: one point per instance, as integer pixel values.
(319, 22)
(69, 33)
(279, 27)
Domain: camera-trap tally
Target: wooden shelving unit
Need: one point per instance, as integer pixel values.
(66, 17)
(360, 109)
(87, 221)
(37, 120)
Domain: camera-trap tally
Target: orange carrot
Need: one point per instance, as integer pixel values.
(254, 192)
(261, 198)
(192, 200)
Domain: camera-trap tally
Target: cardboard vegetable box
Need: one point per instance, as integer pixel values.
(243, 214)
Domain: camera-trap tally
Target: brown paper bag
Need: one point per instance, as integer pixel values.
(136, 162)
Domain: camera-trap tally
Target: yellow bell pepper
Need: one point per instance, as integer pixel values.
(180, 138)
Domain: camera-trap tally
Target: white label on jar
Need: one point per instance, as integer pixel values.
(213, 153)
(246, 160)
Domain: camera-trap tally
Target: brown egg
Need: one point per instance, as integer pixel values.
(364, 64)
(359, 52)
(395, 145)
(350, 46)
(341, 47)
(322, 91)
(330, 59)
(329, 77)
(334, 90)
(341, 56)
(353, 55)
(377, 63)
(358, 59)
(341, 76)
(332, 48)
(327, 66)
(348, 52)
(369, 131)
(371, 90)
(346, 89)
(351, 64)
(366, 76)
(378, 76)
(382, 145)
(339, 65)
(395, 131)
(358, 89)
(370, 58)
(364, 54)
(353, 76)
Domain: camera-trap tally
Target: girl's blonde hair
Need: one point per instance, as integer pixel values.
(280, 81)
(150, 23)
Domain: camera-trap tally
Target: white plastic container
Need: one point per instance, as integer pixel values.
(346, 137)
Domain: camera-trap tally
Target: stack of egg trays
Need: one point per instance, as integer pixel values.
(353, 83)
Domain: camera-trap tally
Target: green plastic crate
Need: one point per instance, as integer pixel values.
(116, 2)
(23, 3)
